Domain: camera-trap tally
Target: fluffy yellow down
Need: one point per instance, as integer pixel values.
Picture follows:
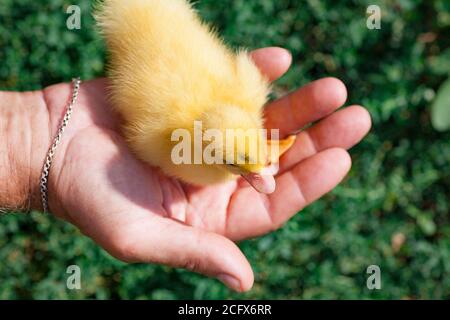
(168, 69)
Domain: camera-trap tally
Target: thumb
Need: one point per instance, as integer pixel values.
(168, 242)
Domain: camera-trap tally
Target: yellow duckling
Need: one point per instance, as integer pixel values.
(168, 71)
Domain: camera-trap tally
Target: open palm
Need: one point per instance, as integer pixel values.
(140, 215)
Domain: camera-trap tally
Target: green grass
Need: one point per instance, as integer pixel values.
(399, 184)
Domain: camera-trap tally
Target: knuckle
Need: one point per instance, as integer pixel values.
(124, 247)
(192, 264)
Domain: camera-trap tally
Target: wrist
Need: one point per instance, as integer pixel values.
(26, 131)
(29, 123)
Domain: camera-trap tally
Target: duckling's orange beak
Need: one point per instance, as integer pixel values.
(274, 152)
(264, 181)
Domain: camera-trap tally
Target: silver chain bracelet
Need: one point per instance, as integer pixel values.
(51, 152)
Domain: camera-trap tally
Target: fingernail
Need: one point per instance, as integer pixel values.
(230, 281)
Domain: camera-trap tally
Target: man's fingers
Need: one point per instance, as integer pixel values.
(168, 242)
(342, 129)
(273, 61)
(306, 182)
(297, 188)
(308, 104)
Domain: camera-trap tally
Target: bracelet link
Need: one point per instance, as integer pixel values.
(51, 152)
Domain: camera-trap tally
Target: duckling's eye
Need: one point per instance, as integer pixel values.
(243, 157)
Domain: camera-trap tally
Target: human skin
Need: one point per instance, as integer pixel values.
(139, 215)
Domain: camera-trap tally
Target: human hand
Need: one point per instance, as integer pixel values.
(139, 215)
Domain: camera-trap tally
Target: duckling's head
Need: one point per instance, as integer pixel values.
(244, 144)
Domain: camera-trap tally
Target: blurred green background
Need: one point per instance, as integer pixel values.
(392, 210)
